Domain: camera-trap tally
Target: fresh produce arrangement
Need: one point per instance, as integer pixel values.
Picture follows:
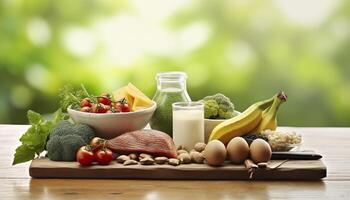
(97, 104)
(248, 138)
(259, 116)
(125, 99)
(61, 138)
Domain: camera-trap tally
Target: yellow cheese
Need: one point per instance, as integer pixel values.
(136, 99)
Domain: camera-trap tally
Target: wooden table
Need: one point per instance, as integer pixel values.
(332, 143)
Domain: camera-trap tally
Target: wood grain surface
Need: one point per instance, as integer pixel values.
(332, 143)
(290, 170)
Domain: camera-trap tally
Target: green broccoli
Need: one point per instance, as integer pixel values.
(223, 110)
(66, 138)
(211, 109)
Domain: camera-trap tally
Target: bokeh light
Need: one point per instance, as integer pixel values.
(247, 50)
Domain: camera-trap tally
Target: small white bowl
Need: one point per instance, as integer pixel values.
(209, 125)
(110, 125)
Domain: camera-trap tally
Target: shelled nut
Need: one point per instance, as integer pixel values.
(147, 161)
(173, 161)
(161, 160)
(133, 156)
(144, 155)
(122, 158)
(130, 162)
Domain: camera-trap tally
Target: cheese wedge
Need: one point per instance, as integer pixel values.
(136, 99)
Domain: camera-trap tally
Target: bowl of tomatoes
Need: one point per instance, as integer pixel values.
(110, 118)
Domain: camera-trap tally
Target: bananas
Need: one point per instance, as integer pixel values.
(260, 115)
(269, 120)
(241, 124)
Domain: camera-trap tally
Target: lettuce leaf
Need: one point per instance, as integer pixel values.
(34, 139)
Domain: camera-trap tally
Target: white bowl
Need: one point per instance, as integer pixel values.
(209, 125)
(110, 125)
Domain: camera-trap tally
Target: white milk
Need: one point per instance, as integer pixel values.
(188, 127)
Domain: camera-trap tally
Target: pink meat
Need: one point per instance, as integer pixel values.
(151, 142)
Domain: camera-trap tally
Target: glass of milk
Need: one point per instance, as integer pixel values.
(188, 123)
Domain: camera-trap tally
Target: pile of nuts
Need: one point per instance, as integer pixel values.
(183, 157)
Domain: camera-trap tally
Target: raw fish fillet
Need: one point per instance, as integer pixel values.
(151, 142)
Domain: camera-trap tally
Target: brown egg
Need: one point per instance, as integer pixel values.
(260, 151)
(237, 150)
(215, 153)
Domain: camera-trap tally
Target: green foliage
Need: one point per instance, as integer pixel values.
(252, 49)
(34, 139)
(69, 96)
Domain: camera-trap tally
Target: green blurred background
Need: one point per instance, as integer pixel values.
(247, 50)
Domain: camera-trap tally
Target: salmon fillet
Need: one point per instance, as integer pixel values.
(152, 142)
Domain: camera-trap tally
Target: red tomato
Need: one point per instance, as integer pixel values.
(122, 106)
(85, 109)
(105, 99)
(85, 156)
(99, 108)
(125, 107)
(86, 102)
(104, 156)
(97, 143)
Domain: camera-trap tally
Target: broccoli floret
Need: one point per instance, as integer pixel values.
(66, 128)
(225, 110)
(84, 131)
(225, 114)
(71, 143)
(56, 148)
(66, 138)
(211, 109)
(61, 129)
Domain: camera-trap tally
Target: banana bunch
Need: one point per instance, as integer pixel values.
(258, 117)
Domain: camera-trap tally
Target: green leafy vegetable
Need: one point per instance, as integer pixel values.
(69, 96)
(34, 139)
(23, 154)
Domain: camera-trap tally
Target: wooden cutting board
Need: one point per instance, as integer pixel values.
(291, 170)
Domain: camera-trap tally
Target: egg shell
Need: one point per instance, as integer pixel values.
(215, 153)
(237, 150)
(260, 151)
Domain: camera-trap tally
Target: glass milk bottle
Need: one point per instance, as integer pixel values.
(188, 124)
(171, 88)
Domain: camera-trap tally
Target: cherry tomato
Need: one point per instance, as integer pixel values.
(86, 102)
(125, 107)
(122, 106)
(85, 156)
(104, 156)
(118, 107)
(105, 99)
(85, 109)
(97, 143)
(99, 108)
